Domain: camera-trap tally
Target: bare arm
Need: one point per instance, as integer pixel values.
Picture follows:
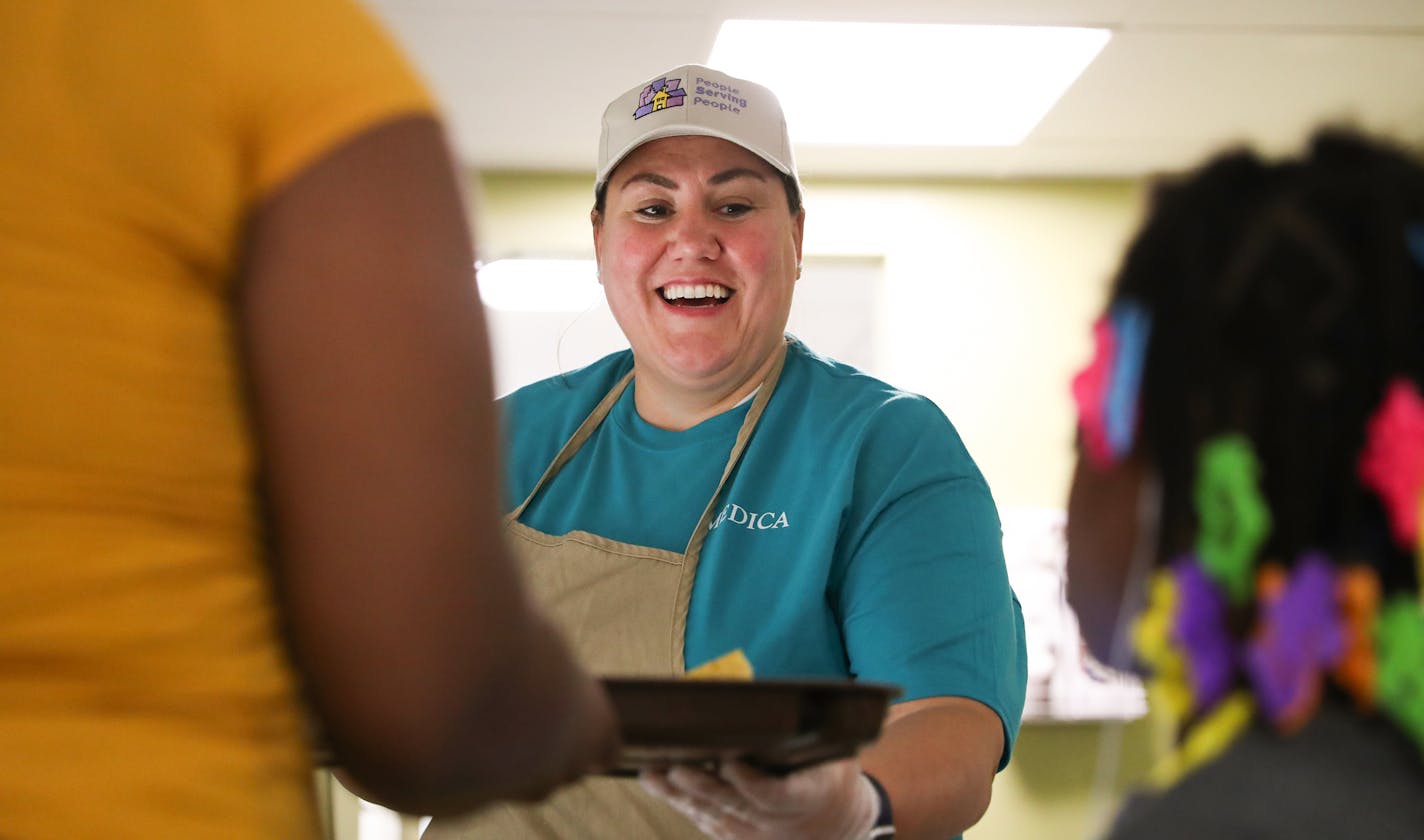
(1102, 543)
(371, 385)
(936, 759)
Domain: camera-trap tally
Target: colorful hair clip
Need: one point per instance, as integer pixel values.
(1089, 386)
(1152, 639)
(1357, 591)
(1234, 518)
(1106, 390)
(1392, 462)
(1132, 326)
(1399, 635)
(1207, 739)
(1199, 628)
(1297, 639)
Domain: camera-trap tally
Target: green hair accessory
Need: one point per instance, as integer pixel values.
(1234, 518)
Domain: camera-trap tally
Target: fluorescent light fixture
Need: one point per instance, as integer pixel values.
(520, 285)
(908, 84)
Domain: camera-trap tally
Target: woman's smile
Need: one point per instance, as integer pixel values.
(695, 295)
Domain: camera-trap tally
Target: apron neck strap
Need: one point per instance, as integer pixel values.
(744, 436)
(575, 442)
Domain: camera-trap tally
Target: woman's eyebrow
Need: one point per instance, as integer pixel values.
(733, 174)
(652, 178)
(722, 177)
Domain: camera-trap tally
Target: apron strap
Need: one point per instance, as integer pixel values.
(574, 443)
(744, 436)
(699, 534)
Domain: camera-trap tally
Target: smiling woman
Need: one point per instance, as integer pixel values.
(820, 520)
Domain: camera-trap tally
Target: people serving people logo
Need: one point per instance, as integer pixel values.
(664, 93)
(708, 93)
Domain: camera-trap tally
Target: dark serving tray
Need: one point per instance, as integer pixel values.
(775, 725)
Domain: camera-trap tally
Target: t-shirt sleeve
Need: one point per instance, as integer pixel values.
(304, 78)
(925, 599)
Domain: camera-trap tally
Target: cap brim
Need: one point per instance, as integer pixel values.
(683, 130)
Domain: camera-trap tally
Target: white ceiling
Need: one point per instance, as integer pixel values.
(524, 82)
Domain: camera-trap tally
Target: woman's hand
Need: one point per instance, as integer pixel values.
(829, 801)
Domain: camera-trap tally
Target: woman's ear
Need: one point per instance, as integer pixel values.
(595, 218)
(799, 228)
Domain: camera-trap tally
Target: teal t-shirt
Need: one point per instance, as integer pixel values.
(856, 537)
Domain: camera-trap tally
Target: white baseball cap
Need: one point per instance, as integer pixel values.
(693, 99)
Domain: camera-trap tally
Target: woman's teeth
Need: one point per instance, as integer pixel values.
(698, 292)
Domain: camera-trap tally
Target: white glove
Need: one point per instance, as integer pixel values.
(830, 801)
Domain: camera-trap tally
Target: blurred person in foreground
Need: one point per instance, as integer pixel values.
(720, 486)
(232, 252)
(1249, 485)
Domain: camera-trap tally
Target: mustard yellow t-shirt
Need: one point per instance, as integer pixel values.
(143, 689)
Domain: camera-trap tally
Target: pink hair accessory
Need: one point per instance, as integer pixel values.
(1107, 389)
(1090, 389)
(1392, 462)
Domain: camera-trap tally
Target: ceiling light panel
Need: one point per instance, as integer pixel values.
(908, 84)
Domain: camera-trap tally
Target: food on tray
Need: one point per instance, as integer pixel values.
(728, 666)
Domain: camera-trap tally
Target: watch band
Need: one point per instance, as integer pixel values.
(884, 819)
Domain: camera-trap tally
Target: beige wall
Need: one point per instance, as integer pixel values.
(989, 292)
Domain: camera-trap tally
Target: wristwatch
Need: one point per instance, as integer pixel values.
(884, 820)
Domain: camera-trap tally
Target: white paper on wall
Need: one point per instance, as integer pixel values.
(1065, 681)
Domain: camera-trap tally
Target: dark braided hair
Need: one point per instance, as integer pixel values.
(1283, 300)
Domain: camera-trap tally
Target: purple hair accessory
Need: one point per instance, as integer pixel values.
(1392, 463)
(1106, 390)
(1299, 637)
(1199, 628)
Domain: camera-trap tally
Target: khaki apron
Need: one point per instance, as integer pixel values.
(623, 608)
